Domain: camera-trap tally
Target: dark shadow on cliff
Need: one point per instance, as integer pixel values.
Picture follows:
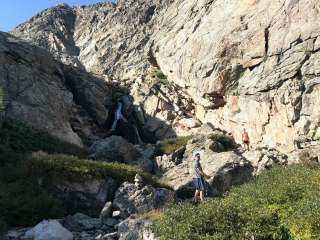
(97, 102)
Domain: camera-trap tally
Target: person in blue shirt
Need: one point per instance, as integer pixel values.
(199, 182)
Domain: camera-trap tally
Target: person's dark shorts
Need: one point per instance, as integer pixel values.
(199, 184)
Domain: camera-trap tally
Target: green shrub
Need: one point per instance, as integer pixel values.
(22, 202)
(159, 74)
(283, 203)
(168, 146)
(62, 166)
(21, 138)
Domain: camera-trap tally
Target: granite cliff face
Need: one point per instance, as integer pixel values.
(233, 64)
(49, 95)
(246, 64)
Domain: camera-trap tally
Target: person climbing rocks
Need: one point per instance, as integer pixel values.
(199, 181)
(118, 116)
(245, 140)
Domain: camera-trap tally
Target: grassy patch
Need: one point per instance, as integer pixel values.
(22, 202)
(152, 215)
(158, 74)
(281, 204)
(168, 146)
(62, 166)
(21, 138)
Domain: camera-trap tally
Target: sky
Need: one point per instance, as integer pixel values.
(15, 12)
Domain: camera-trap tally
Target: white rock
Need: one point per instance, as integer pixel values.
(49, 230)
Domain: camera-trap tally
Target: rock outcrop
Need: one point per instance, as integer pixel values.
(46, 94)
(226, 167)
(89, 195)
(261, 72)
(137, 229)
(49, 230)
(130, 199)
(117, 149)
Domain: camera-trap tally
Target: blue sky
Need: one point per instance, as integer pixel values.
(14, 12)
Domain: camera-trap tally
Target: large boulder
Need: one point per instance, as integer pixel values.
(49, 230)
(219, 159)
(225, 169)
(84, 227)
(117, 149)
(89, 196)
(262, 159)
(131, 199)
(34, 88)
(135, 229)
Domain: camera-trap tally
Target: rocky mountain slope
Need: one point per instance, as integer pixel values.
(201, 69)
(247, 63)
(48, 95)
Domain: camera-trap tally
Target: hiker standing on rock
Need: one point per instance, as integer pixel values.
(199, 179)
(245, 140)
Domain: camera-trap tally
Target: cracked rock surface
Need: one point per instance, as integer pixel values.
(237, 64)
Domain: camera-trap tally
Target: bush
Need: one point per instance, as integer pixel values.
(159, 74)
(283, 203)
(22, 203)
(21, 138)
(168, 146)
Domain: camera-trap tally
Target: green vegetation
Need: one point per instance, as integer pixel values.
(23, 201)
(168, 146)
(281, 204)
(157, 73)
(20, 138)
(59, 167)
(154, 215)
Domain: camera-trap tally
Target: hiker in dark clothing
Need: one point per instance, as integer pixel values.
(199, 179)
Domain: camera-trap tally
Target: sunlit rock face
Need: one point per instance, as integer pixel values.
(249, 64)
(239, 64)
